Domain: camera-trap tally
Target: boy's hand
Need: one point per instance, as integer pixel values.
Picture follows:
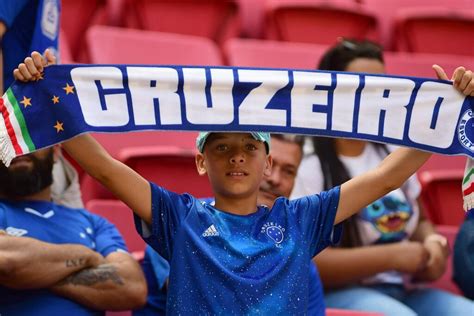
(463, 80)
(33, 66)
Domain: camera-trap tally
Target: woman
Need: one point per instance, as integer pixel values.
(389, 247)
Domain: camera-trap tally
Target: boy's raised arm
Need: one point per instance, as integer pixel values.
(392, 172)
(397, 167)
(121, 180)
(124, 182)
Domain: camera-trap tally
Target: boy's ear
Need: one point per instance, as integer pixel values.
(201, 164)
(268, 166)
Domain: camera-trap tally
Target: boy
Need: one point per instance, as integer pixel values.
(235, 257)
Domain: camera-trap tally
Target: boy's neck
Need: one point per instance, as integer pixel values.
(238, 206)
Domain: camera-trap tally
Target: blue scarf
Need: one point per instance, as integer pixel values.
(73, 99)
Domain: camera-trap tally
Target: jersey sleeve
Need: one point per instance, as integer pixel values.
(10, 9)
(316, 214)
(168, 212)
(107, 237)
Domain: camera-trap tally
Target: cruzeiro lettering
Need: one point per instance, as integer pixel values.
(368, 105)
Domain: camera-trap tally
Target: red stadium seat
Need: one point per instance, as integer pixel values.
(64, 49)
(264, 53)
(435, 31)
(442, 195)
(121, 216)
(419, 65)
(445, 282)
(442, 162)
(318, 21)
(172, 167)
(215, 19)
(387, 10)
(113, 45)
(252, 13)
(115, 143)
(76, 17)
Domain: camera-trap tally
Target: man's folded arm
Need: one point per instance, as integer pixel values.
(117, 284)
(27, 263)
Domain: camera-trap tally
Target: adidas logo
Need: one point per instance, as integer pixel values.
(210, 231)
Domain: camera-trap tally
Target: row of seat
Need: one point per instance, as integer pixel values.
(415, 26)
(109, 45)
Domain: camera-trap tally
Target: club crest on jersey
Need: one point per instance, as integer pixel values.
(50, 19)
(274, 231)
(465, 139)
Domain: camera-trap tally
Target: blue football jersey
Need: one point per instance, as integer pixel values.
(228, 264)
(56, 224)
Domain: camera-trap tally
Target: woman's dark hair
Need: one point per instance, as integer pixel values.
(338, 57)
(334, 172)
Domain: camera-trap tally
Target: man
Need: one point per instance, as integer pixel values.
(287, 153)
(25, 26)
(54, 259)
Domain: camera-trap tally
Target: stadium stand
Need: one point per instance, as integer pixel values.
(266, 53)
(112, 45)
(419, 65)
(434, 31)
(214, 19)
(76, 18)
(252, 15)
(318, 21)
(439, 39)
(442, 195)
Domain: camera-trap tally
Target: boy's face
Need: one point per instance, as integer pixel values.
(235, 164)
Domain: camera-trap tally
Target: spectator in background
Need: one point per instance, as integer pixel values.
(26, 26)
(55, 260)
(463, 257)
(389, 247)
(287, 152)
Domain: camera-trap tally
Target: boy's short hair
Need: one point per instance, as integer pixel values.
(260, 136)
